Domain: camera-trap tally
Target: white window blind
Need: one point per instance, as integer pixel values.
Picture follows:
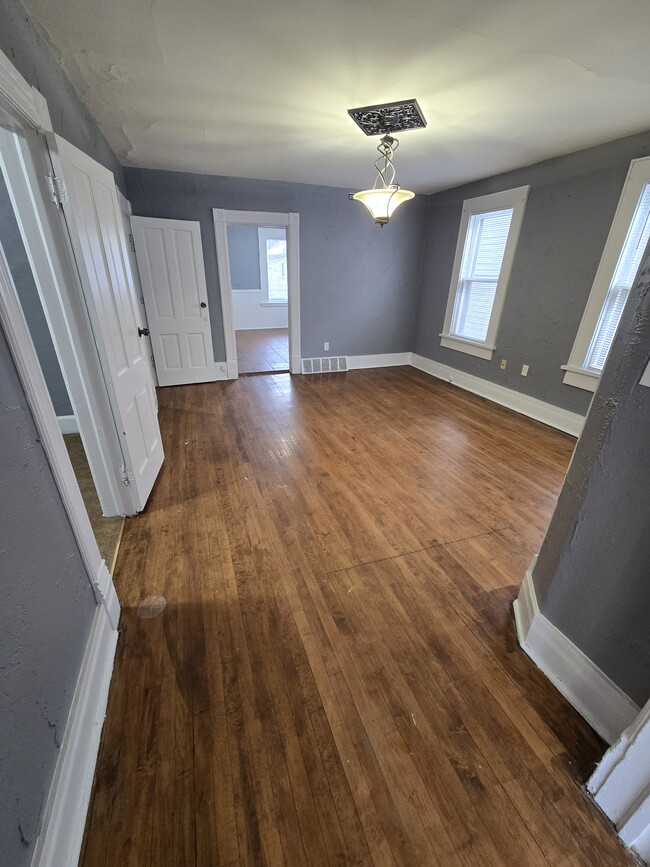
(619, 289)
(483, 253)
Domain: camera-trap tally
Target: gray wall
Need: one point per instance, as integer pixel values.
(592, 575)
(31, 303)
(45, 616)
(32, 57)
(244, 256)
(358, 282)
(570, 208)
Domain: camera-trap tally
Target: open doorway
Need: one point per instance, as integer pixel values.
(258, 261)
(260, 298)
(107, 530)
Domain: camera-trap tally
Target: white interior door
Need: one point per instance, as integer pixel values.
(170, 260)
(97, 233)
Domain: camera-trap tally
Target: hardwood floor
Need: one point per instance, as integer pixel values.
(262, 350)
(335, 678)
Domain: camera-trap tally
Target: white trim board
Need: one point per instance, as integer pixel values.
(389, 359)
(68, 424)
(65, 813)
(562, 419)
(604, 705)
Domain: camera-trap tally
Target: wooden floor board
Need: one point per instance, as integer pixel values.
(335, 678)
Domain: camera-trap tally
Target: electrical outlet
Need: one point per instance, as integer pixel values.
(326, 345)
(503, 364)
(524, 370)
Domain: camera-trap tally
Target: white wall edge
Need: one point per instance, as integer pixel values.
(68, 424)
(232, 368)
(604, 705)
(562, 419)
(65, 813)
(389, 359)
(525, 605)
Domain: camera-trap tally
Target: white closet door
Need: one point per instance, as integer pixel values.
(170, 261)
(93, 215)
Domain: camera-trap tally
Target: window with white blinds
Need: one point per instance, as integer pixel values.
(619, 288)
(485, 245)
(628, 237)
(487, 239)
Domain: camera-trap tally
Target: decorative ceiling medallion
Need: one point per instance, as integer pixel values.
(388, 118)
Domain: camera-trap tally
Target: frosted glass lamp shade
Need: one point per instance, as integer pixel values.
(383, 201)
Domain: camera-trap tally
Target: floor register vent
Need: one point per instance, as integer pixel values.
(325, 365)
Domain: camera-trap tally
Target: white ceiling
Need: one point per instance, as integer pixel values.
(261, 88)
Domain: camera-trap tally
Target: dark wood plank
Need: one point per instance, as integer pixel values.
(335, 678)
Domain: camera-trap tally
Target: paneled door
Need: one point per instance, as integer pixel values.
(93, 215)
(170, 260)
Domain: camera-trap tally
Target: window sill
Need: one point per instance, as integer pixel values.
(273, 304)
(580, 378)
(479, 350)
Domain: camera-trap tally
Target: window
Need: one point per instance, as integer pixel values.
(489, 229)
(619, 264)
(273, 265)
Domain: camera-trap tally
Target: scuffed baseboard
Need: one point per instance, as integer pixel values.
(64, 819)
(604, 705)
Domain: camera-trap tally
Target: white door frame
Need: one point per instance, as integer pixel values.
(26, 163)
(28, 109)
(291, 222)
(621, 785)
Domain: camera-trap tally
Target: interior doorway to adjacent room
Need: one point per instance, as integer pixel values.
(258, 278)
(107, 530)
(258, 262)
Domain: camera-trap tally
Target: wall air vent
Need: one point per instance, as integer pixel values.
(388, 118)
(325, 365)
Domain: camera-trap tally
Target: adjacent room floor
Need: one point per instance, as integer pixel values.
(262, 350)
(335, 677)
(107, 531)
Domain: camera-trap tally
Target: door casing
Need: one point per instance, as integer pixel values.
(291, 222)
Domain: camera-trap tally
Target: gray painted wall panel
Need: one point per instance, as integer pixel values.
(31, 55)
(570, 208)
(244, 256)
(592, 576)
(45, 618)
(359, 282)
(26, 287)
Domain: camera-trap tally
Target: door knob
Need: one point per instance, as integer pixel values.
(143, 331)
(203, 304)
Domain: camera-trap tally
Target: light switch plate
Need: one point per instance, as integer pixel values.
(645, 379)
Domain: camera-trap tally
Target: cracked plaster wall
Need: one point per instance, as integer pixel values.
(570, 208)
(45, 617)
(592, 576)
(29, 52)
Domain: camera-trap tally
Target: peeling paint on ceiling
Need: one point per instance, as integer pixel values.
(261, 88)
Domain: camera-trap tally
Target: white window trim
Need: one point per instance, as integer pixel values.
(575, 372)
(515, 199)
(265, 233)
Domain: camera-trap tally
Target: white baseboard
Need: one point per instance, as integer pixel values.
(220, 370)
(68, 424)
(562, 419)
(388, 359)
(604, 705)
(64, 819)
(525, 605)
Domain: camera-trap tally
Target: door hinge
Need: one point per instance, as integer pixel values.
(132, 243)
(58, 190)
(124, 475)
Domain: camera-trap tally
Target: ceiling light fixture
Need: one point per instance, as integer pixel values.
(385, 196)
